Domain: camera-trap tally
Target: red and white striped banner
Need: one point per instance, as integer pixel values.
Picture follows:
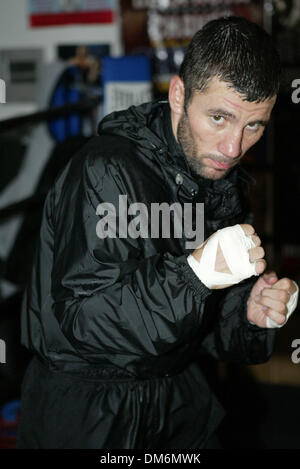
(62, 12)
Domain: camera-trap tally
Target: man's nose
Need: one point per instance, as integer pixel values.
(231, 145)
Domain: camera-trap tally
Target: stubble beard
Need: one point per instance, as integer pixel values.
(188, 145)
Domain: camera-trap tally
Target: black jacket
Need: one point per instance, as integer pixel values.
(117, 324)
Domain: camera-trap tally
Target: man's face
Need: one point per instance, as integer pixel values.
(219, 127)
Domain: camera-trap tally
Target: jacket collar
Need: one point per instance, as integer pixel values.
(150, 125)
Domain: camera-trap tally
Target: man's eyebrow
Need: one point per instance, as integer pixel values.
(221, 112)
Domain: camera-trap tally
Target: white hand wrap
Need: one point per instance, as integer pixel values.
(291, 306)
(235, 245)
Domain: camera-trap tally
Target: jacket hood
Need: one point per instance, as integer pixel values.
(144, 124)
(135, 123)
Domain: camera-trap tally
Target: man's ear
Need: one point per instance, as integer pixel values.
(176, 95)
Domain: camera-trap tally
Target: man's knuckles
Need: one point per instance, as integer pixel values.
(275, 316)
(256, 240)
(280, 295)
(256, 253)
(248, 229)
(273, 304)
(285, 284)
(260, 266)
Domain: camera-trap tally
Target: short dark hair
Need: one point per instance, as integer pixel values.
(236, 51)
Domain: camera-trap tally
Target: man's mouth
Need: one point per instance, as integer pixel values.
(219, 165)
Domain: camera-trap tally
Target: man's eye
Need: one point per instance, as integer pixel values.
(253, 126)
(217, 119)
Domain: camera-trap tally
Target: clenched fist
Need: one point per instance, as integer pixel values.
(269, 303)
(228, 256)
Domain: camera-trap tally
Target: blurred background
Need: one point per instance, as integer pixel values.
(64, 64)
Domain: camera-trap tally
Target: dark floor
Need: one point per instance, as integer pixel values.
(261, 416)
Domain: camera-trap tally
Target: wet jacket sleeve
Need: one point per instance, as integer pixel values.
(112, 296)
(232, 338)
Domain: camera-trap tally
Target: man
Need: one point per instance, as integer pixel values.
(118, 321)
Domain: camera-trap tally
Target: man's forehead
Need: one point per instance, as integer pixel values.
(221, 92)
(247, 106)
